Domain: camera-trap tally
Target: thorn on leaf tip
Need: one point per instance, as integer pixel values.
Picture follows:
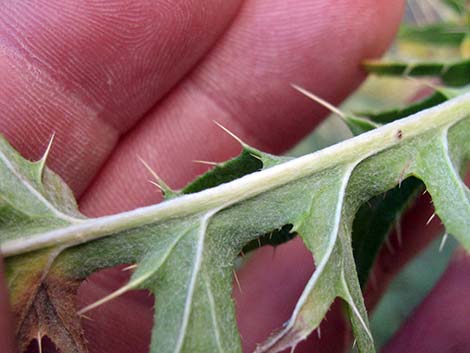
(157, 185)
(408, 69)
(106, 299)
(43, 160)
(443, 242)
(320, 101)
(158, 181)
(430, 219)
(421, 82)
(48, 148)
(86, 317)
(213, 164)
(239, 140)
(235, 276)
(39, 341)
(257, 157)
(130, 267)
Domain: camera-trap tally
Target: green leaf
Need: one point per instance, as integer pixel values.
(359, 125)
(249, 161)
(452, 73)
(447, 34)
(329, 240)
(377, 217)
(35, 200)
(199, 292)
(459, 6)
(185, 248)
(274, 238)
(440, 95)
(31, 196)
(375, 220)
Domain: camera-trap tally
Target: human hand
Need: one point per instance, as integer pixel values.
(116, 80)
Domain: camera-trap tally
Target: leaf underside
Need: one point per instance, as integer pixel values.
(187, 256)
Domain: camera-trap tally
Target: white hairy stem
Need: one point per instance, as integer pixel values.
(355, 149)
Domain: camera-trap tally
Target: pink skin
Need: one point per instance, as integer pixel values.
(6, 327)
(115, 80)
(441, 322)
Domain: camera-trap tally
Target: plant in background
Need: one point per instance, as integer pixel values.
(342, 201)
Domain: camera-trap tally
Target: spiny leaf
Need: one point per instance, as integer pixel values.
(43, 303)
(274, 238)
(378, 216)
(453, 73)
(31, 196)
(443, 182)
(185, 247)
(249, 161)
(375, 220)
(328, 239)
(440, 95)
(35, 199)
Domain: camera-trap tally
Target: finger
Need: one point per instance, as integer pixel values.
(123, 317)
(6, 330)
(442, 321)
(418, 229)
(291, 263)
(244, 84)
(266, 302)
(87, 71)
(260, 71)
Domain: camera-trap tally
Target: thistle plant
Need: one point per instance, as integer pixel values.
(342, 201)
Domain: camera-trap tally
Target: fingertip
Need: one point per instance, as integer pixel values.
(380, 25)
(121, 325)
